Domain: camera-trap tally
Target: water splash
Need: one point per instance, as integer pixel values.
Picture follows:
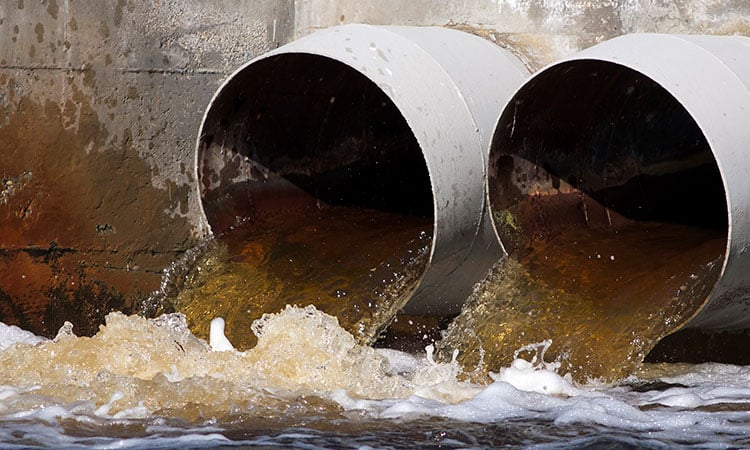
(589, 339)
(348, 262)
(146, 383)
(136, 367)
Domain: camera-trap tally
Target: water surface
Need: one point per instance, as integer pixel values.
(143, 383)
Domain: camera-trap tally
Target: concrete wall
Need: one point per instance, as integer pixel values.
(539, 31)
(100, 102)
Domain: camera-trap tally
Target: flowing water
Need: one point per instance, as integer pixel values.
(349, 262)
(605, 299)
(505, 375)
(150, 383)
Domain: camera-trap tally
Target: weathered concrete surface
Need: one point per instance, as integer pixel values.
(100, 103)
(539, 31)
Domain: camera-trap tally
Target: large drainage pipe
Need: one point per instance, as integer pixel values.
(341, 153)
(620, 176)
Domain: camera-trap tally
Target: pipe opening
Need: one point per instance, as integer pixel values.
(315, 182)
(605, 192)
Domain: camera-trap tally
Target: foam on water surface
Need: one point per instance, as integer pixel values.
(137, 376)
(11, 334)
(136, 366)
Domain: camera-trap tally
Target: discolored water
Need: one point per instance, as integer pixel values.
(603, 298)
(305, 379)
(143, 383)
(608, 198)
(349, 262)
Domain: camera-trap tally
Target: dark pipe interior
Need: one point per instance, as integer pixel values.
(315, 126)
(616, 135)
(311, 175)
(604, 188)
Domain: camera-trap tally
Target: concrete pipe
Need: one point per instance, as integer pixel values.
(620, 176)
(392, 123)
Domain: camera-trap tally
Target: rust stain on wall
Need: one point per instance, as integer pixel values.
(82, 229)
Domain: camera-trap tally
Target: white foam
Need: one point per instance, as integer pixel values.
(708, 374)
(217, 339)
(7, 392)
(400, 363)
(105, 408)
(138, 412)
(11, 335)
(329, 364)
(523, 375)
(535, 390)
(698, 396)
(49, 414)
(579, 405)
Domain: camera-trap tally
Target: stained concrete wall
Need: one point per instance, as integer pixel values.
(100, 103)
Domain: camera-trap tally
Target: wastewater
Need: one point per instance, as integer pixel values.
(302, 374)
(151, 383)
(352, 263)
(605, 297)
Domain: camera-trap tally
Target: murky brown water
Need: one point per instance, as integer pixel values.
(353, 263)
(308, 382)
(603, 297)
